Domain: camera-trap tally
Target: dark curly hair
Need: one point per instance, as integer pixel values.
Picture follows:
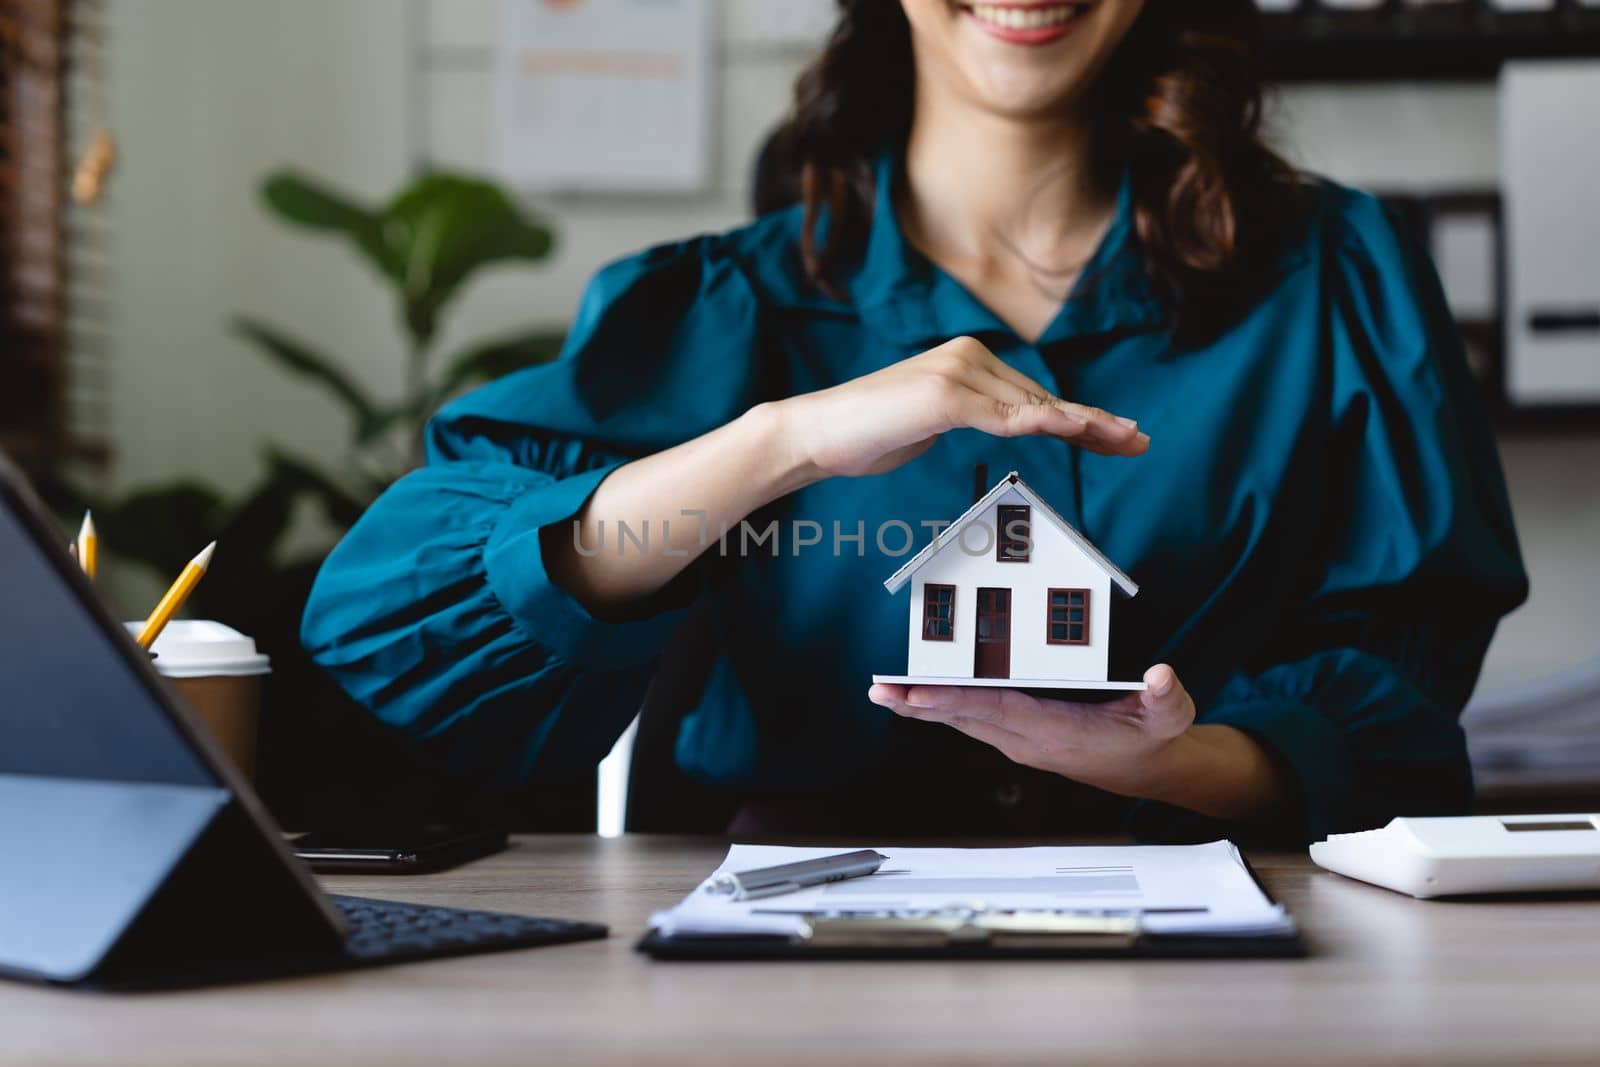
(1181, 99)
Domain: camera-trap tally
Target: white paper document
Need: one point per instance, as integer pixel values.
(605, 95)
(1169, 889)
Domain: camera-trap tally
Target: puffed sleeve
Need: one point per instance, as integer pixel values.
(1360, 691)
(436, 611)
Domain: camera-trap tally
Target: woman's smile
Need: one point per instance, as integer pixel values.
(1027, 24)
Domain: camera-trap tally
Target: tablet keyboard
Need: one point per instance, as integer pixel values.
(382, 930)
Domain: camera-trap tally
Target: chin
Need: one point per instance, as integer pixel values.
(1021, 57)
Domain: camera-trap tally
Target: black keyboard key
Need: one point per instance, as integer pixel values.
(386, 929)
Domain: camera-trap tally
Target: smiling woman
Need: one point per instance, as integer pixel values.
(1040, 237)
(1168, 89)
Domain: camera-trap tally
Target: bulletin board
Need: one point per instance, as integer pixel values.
(605, 95)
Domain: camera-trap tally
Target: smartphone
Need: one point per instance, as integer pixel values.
(416, 849)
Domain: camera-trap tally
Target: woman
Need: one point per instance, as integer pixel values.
(1039, 236)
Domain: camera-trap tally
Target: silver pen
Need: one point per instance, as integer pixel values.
(789, 877)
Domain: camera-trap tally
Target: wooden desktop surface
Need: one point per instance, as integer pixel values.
(1391, 980)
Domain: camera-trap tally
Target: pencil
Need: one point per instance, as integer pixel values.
(163, 612)
(88, 546)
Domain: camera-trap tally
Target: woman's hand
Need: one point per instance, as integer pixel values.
(867, 426)
(1120, 746)
(1142, 745)
(879, 421)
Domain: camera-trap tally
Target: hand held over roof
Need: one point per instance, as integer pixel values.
(880, 421)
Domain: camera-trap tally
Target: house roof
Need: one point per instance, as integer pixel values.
(1010, 481)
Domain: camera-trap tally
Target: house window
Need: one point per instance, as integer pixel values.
(938, 612)
(1015, 536)
(1068, 620)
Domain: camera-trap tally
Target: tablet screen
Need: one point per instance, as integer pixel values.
(70, 705)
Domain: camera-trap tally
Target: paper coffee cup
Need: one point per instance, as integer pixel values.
(218, 672)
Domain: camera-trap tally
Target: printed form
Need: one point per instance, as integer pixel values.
(1168, 889)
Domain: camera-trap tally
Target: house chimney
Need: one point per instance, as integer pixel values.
(980, 481)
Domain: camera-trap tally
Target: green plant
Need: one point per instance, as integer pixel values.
(426, 242)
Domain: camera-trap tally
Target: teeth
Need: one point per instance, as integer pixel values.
(1035, 17)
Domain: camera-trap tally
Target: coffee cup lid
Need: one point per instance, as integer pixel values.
(193, 648)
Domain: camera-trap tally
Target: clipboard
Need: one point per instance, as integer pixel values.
(975, 936)
(914, 944)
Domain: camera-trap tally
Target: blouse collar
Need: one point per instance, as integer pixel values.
(901, 293)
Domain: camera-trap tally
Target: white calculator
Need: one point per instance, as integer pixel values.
(1471, 854)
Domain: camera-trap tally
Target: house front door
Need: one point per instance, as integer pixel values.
(992, 658)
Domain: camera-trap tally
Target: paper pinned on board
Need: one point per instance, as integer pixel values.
(1171, 889)
(605, 96)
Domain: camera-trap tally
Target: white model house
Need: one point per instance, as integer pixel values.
(1010, 594)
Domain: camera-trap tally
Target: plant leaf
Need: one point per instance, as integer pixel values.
(443, 227)
(307, 202)
(162, 526)
(250, 536)
(428, 239)
(297, 358)
(341, 506)
(494, 359)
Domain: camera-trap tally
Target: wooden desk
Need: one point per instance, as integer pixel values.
(1392, 980)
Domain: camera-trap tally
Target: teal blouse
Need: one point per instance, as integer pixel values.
(1320, 527)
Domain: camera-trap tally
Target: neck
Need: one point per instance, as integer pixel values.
(979, 184)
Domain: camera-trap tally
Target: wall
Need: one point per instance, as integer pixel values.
(209, 95)
(755, 74)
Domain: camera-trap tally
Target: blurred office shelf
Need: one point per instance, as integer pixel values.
(1402, 40)
(1538, 740)
(1479, 302)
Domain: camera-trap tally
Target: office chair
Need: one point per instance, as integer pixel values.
(661, 798)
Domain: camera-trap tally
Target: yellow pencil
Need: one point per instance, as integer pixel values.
(88, 546)
(163, 612)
